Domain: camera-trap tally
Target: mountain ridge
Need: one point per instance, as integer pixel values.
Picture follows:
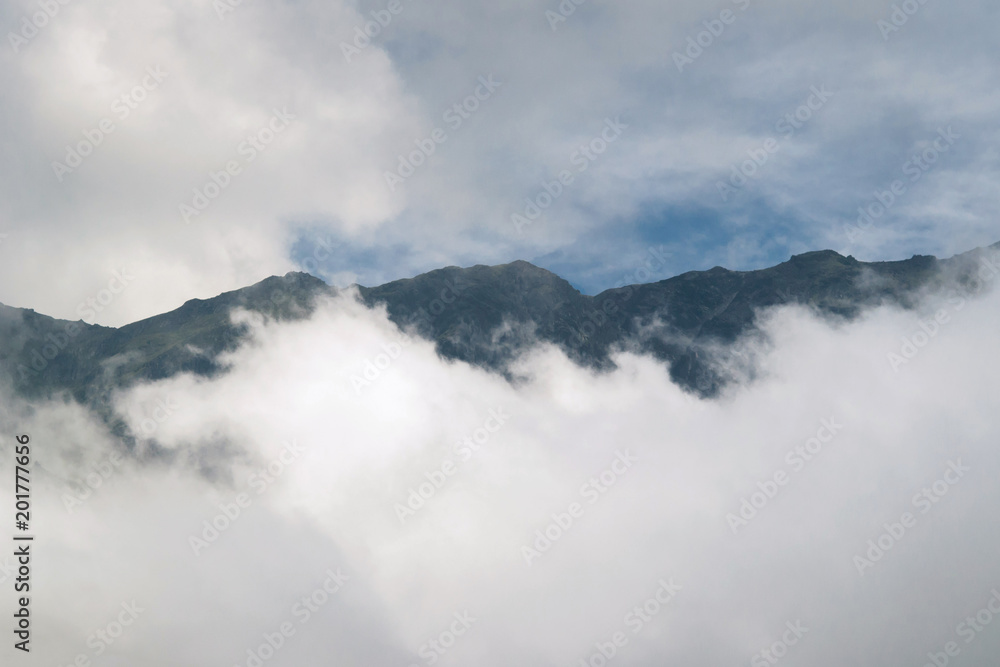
(484, 315)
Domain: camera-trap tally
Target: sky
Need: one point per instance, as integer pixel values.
(199, 146)
(343, 495)
(349, 509)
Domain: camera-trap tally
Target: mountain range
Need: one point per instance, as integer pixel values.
(483, 315)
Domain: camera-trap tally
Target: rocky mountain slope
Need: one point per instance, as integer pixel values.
(483, 315)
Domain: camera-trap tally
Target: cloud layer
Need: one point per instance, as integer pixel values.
(432, 513)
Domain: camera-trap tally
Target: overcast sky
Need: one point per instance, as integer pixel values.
(661, 120)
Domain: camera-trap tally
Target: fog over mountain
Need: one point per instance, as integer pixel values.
(533, 333)
(486, 316)
(460, 515)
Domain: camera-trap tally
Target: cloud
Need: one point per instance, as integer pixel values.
(277, 134)
(431, 484)
(324, 177)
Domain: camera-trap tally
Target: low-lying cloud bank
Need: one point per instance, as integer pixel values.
(345, 496)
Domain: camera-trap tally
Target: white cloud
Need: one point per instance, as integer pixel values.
(221, 82)
(333, 504)
(353, 120)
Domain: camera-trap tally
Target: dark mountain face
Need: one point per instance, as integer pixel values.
(40, 356)
(482, 315)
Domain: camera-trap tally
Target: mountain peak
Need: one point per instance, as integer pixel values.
(483, 315)
(815, 255)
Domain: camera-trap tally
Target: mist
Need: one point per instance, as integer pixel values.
(444, 515)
